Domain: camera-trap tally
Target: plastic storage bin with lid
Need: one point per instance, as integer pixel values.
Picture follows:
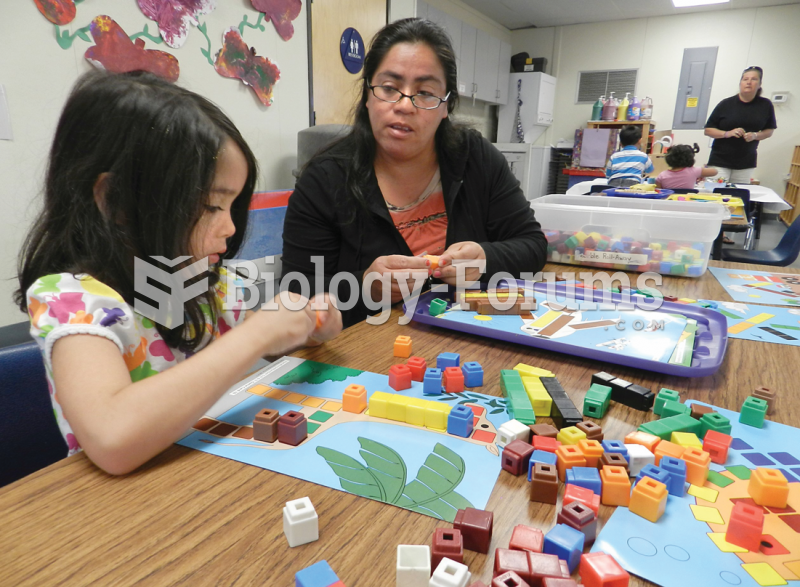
(666, 237)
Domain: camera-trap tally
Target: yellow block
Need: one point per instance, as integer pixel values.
(294, 398)
(570, 435)
(313, 402)
(276, 393)
(530, 371)
(760, 318)
(704, 493)
(687, 439)
(764, 574)
(687, 300)
(740, 327)
(532, 383)
(379, 404)
(415, 411)
(655, 246)
(260, 389)
(396, 409)
(794, 567)
(718, 538)
(436, 415)
(332, 406)
(541, 402)
(704, 513)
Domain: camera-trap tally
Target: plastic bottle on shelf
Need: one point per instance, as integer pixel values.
(597, 109)
(610, 109)
(635, 109)
(647, 108)
(622, 109)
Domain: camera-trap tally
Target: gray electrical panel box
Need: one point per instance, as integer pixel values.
(694, 91)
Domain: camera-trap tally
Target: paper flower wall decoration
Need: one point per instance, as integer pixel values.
(175, 16)
(281, 13)
(58, 12)
(239, 61)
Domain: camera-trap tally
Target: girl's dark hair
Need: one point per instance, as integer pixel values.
(158, 143)
(760, 76)
(356, 150)
(680, 156)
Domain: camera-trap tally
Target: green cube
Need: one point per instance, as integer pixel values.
(601, 392)
(593, 407)
(437, 306)
(671, 408)
(753, 412)
(572, 242)
(657, 428)
(665, 395)
(714, 421)
(678, 269)
(601, 245)
(664, 427)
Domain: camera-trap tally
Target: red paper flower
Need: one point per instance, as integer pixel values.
(175, 16)
(58, 12)
(239, 61)
(114, 51)
(281, 13)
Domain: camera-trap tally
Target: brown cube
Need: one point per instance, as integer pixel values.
(544, 483)
(476, 528)
(292, 428)
(580, 517)
(698, 410)
(613, 459)
(593, 431)
(544, 430)
(515, 457)
(265, 425)
(447, 543)
(768, 396)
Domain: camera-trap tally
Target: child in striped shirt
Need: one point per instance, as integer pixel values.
(627, 166)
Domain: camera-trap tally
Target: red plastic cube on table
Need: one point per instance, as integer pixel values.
(552, 582)
(515, 457)
(586, 496)
(544, 565)
(746, 526)
(417, 366)
(511, 560)
(716, 444)
(545, 443)
(599, 569)
(453, 379)
(447, 543)
(526, 538)
(399, 377)
(476, 528)
(509, 579)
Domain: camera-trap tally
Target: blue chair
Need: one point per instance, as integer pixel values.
(748, 228)
(29, 436)
(784, 254)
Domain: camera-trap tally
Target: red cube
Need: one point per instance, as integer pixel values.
(509, 579)
(292, 428)
(526, 538)
(716, 444)
(453, 379)
(553, 582)
(417, 366)
(515, 457)
(583, 495)
(476, 528)
(746, 526)
(545, 443)
(543, 565)
(598, 569)
(447, 543)
(399, 377)
(506, 560)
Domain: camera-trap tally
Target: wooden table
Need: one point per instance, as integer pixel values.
(189, 518)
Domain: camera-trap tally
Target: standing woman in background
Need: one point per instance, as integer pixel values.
(737, 125)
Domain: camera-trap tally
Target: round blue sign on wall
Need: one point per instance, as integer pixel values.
(352, 50)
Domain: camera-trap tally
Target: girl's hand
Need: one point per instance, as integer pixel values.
(328, 322)
(284, 329)
(460, 252)
(394, 266)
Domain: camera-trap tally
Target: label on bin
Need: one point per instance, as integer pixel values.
(612, 257)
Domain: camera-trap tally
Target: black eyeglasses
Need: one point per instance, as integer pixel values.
(421, 101)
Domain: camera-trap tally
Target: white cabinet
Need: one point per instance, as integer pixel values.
(530, 165)
(487, 57)
(466, 67)
(538, 92)
(503, 74)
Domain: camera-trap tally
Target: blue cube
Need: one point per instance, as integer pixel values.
(473, 374)
(317, 575)
(653, 472)
(566, 543)
(676, 468)
(459, 422)
(432, 381)
(588, 477)
(617, 446)
(445, 360)
(695, 270)
(665, 267)
(541, 456)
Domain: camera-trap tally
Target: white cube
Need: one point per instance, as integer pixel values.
(512, 430)
(449, 573)
(638, 457)
(413, 565)
(300, 522)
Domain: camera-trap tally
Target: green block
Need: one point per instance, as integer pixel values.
(602, 391)
(437, 306)
(511, 381)
(593, 407)
(524, 415)
(678, 269)
(719, 479)
(740, 471)
(754, 410)
(680, 423)
(572, 242)
(311, 427)
(320, 416)
(601, 245)
(714, 421)
(663, 396)
(672, 408)
(657, 428)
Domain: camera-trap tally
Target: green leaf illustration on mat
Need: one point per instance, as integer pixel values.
(384, 478)
(316, 373)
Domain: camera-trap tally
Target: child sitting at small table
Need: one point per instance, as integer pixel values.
(682, 173)
(627, 166)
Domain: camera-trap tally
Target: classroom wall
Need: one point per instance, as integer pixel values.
(38, 74)
(767, 37)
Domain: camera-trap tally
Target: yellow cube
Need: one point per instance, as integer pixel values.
(436, 415)
(686, 439)
(415, 411)
(570, 435)
(581, 236)
(379, 404)
(655, 246)
(530, 371)
(396, 408)
(541, 402)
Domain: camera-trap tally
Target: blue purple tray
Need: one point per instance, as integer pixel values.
(711, 338)
(660, 194)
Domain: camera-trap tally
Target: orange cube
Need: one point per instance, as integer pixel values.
(402, 346)
(697, 463)
(434, 259)
(769, 487)
(650, 441)
(649, 499)
(354, 399)
(616, 486)
(568, 456)
(592, 451)
(665, 448)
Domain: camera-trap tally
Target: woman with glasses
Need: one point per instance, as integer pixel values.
(408, 182)
(737, 125)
